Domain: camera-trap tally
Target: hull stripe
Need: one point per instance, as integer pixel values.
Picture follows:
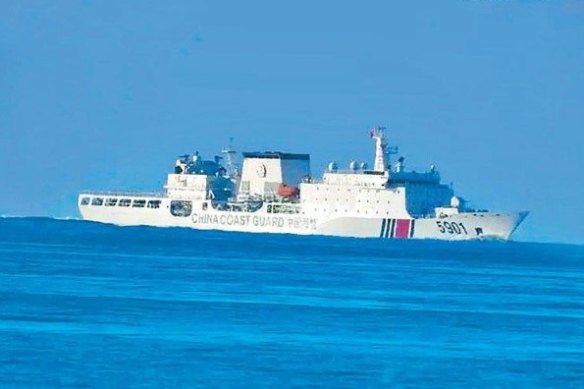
(402, 229)
(392, 228)
(397, 228)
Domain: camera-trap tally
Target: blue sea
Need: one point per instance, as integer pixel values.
(87, 305)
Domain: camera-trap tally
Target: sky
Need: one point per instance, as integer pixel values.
(103, 95)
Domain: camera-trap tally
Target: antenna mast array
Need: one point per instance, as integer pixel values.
(229, 154)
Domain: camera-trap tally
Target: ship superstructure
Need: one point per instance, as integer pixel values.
(275, 193)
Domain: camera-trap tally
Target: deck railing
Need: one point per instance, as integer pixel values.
(123, 194)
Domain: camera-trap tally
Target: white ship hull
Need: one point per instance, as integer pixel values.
(276, 193)
(463, 226)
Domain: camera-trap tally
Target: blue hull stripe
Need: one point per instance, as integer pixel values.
(382, 228)
(393, 221)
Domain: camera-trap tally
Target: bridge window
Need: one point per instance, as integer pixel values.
(111, 202)
(154, 204)
(124, 202)
(84, 201)
(97, 201)
(181, 208)
(139, 203)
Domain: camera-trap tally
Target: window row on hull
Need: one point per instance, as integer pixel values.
(123, 202)
(179, 208)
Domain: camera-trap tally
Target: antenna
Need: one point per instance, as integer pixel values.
(389, 151)
(229, 154)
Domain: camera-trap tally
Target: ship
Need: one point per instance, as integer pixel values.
(275, 192)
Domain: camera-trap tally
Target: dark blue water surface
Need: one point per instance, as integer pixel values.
(91, 305)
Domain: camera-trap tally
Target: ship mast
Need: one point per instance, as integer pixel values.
(382, 150)
(229, 157)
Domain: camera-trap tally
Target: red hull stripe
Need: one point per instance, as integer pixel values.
(397, 228)
(402, 228)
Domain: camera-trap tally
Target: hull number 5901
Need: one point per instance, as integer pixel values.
(451, 227)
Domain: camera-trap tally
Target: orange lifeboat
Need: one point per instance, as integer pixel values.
(287, 191)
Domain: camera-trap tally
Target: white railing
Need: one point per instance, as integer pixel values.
(123, 194)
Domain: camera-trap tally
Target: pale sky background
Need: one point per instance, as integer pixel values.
(105, 94)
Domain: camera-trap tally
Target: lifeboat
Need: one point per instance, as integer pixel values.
(288, 191)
